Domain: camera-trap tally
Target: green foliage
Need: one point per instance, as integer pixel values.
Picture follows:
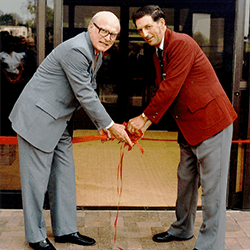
(32, 8)
(201, 39)
(7, 19)
(13, 19)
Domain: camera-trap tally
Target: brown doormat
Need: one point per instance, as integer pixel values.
(149, 179)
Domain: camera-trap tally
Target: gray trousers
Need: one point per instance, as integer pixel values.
(207, 165)
(54, 171)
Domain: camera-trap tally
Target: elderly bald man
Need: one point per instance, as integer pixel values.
(64, 81)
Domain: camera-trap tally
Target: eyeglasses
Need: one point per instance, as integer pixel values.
(105, 33)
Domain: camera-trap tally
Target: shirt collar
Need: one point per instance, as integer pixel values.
(161, 45)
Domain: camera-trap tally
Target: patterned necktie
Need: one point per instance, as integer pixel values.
(160, 57)
(160, 52)
(96, 55)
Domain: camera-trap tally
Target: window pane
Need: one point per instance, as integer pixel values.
(209, 34)
(18, 58)
(141, 69)
(65, 16)
(83, 14)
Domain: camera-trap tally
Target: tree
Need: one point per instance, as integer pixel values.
(18, 20)
(7, 19)
(11, 19)
(33, 11)
(201, 39)
(32, 22)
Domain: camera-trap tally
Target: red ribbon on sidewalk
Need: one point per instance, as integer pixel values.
(134, 139)
(119, 190)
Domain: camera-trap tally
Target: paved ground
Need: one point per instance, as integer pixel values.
(134, 231)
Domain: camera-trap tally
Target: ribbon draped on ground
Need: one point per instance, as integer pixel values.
(134, 139)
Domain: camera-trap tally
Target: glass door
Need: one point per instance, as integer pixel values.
(18, 40)
(109, 73)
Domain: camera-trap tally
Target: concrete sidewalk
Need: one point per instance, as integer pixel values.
(134, 230)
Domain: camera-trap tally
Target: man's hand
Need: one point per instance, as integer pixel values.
(135, 124)
(119, 132)
(138, 123)
(105, 132)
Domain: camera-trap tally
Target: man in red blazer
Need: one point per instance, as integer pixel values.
(188, 86)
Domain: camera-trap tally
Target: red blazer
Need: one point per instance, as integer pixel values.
(191, 91)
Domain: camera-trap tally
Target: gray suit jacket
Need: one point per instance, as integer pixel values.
(64, 81)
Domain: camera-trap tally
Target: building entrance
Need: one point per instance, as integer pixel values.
(126, 78)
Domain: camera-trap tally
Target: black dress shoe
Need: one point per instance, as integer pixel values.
(166, 237)
(75, 238)
(42, 245)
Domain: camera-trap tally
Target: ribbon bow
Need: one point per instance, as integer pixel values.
(134, 138)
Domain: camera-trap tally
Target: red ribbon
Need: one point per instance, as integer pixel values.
(134, 139)
(8, 140)
(13, 140)
(119, 189)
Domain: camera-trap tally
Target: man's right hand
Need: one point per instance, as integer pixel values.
(119, 132)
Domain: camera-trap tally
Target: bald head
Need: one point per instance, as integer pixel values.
(103, 29)
(106, 17)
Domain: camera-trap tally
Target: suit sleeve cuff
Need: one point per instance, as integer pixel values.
(110, 125)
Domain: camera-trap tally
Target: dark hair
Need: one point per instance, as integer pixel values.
(8, 43)
(151, 10)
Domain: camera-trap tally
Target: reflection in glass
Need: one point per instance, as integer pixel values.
(18, 59)
(141, 68)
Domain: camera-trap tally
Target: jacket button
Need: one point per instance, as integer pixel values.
(176, 116)
(154, 117)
